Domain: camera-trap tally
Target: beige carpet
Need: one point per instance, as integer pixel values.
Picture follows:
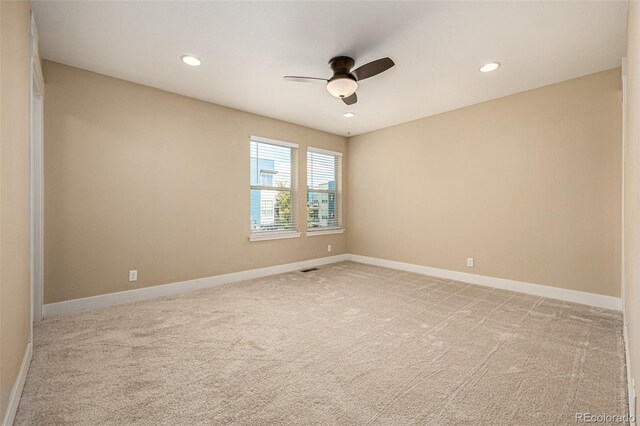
(349, 344)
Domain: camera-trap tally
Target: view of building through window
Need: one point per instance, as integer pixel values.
(272, 206)
(323, 202)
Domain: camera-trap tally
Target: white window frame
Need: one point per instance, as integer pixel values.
(277, 235)
(337, 193)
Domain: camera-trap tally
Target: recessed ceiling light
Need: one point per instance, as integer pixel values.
(491, 66)
(349, 114)
(191, 60)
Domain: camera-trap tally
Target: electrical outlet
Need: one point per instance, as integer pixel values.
(133, 275)
(329, 247)
(470, 262)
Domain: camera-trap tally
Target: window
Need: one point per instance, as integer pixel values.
(273, 189)
(324, 173)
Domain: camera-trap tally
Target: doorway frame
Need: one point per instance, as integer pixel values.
(36, 178)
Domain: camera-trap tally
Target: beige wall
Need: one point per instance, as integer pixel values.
(139, 178)
(632, 189)
(14, 193)
(529, 185)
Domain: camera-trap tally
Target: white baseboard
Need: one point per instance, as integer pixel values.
(16, 391)
(122, 297)
(591, 299)
(77, 305)
(631, 393)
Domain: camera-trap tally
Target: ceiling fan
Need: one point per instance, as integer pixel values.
(344, 82)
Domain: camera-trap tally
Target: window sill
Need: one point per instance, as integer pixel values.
(264, 236)
(325, 232)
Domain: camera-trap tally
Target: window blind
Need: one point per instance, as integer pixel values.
(324, 203)
(273, 183)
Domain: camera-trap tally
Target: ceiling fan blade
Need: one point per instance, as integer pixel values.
(372, 68)
(304, 79)
(350, 100)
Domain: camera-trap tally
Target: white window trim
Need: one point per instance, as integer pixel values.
(274, 142)
(324, 151)
(325, 232)
(264, 236)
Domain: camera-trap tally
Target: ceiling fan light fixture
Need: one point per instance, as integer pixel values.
(342, 86)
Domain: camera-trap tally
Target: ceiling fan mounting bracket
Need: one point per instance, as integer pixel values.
(341, 64)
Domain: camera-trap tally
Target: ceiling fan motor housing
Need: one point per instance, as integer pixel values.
(341, 65)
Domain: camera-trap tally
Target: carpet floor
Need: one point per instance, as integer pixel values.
(349, 344)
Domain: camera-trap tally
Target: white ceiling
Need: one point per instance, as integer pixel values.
(247, 47)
